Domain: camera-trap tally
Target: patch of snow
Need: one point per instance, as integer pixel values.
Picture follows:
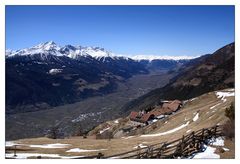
(217, 141)
(39, 62)
(195, 118)
(223, 95)
(101, 131)
(127, 137)
(215, 106)
(155, 57)
(116, 121)
(167, 132)
(160, 116)
(169, 145)
(117, 157)
(152, 121)
(225, 149)
(84, 116)
(70, 157)
(51, 146)
(139, 146)
(214, 111)
(55, 71)
(207, 154)
(26, 155)
(193, 99)
(165, 122)
(188, 131)
(11, 143)
(231, 90)
(43, 48)
(78, 150)
(155, 120)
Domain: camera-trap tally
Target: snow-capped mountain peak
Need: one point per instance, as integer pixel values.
(97, 52)
(45, 49)
(47, 46)
(75, 52)
(154, 57)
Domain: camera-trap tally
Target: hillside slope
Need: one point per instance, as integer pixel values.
(209, 73)
(201, 112)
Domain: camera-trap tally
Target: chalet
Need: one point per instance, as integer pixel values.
(159, 112)
(140, 116)
(172, 106)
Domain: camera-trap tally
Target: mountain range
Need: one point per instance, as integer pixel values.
(48, 87)
(47, 75)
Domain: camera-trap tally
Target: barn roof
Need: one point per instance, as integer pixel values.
(172, 105)
(167, 108)
(143, 118)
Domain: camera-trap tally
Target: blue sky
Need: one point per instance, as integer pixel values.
(145, 30)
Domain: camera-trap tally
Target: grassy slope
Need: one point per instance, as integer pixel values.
(207, 117)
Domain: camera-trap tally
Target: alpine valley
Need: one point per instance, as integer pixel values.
(74, 86)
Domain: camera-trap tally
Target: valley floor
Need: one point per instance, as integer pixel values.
(98, 109)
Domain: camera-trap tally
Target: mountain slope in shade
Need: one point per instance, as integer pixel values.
(201, 75)
(48, 75)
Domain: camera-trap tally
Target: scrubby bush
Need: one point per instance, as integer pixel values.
(105, 135)
(230, 112)
(77, 130)
(55, 133)
(229, 126)
(154, 126)
(229, 129)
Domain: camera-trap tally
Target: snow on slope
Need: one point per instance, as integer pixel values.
(167, 132)
(217, 141)
(45, 146)
(27, 155)
(51, 146)
(101, 131)
(196, 117)
(223, 95)
(42, 48)
(55, 71)
(215, 106)
(207, 154)
(153, 57)
(11, 143)
(53, 49)
(139, 146)
(77, 150)
(74, 52)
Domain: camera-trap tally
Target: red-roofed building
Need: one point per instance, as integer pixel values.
(159, 112)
